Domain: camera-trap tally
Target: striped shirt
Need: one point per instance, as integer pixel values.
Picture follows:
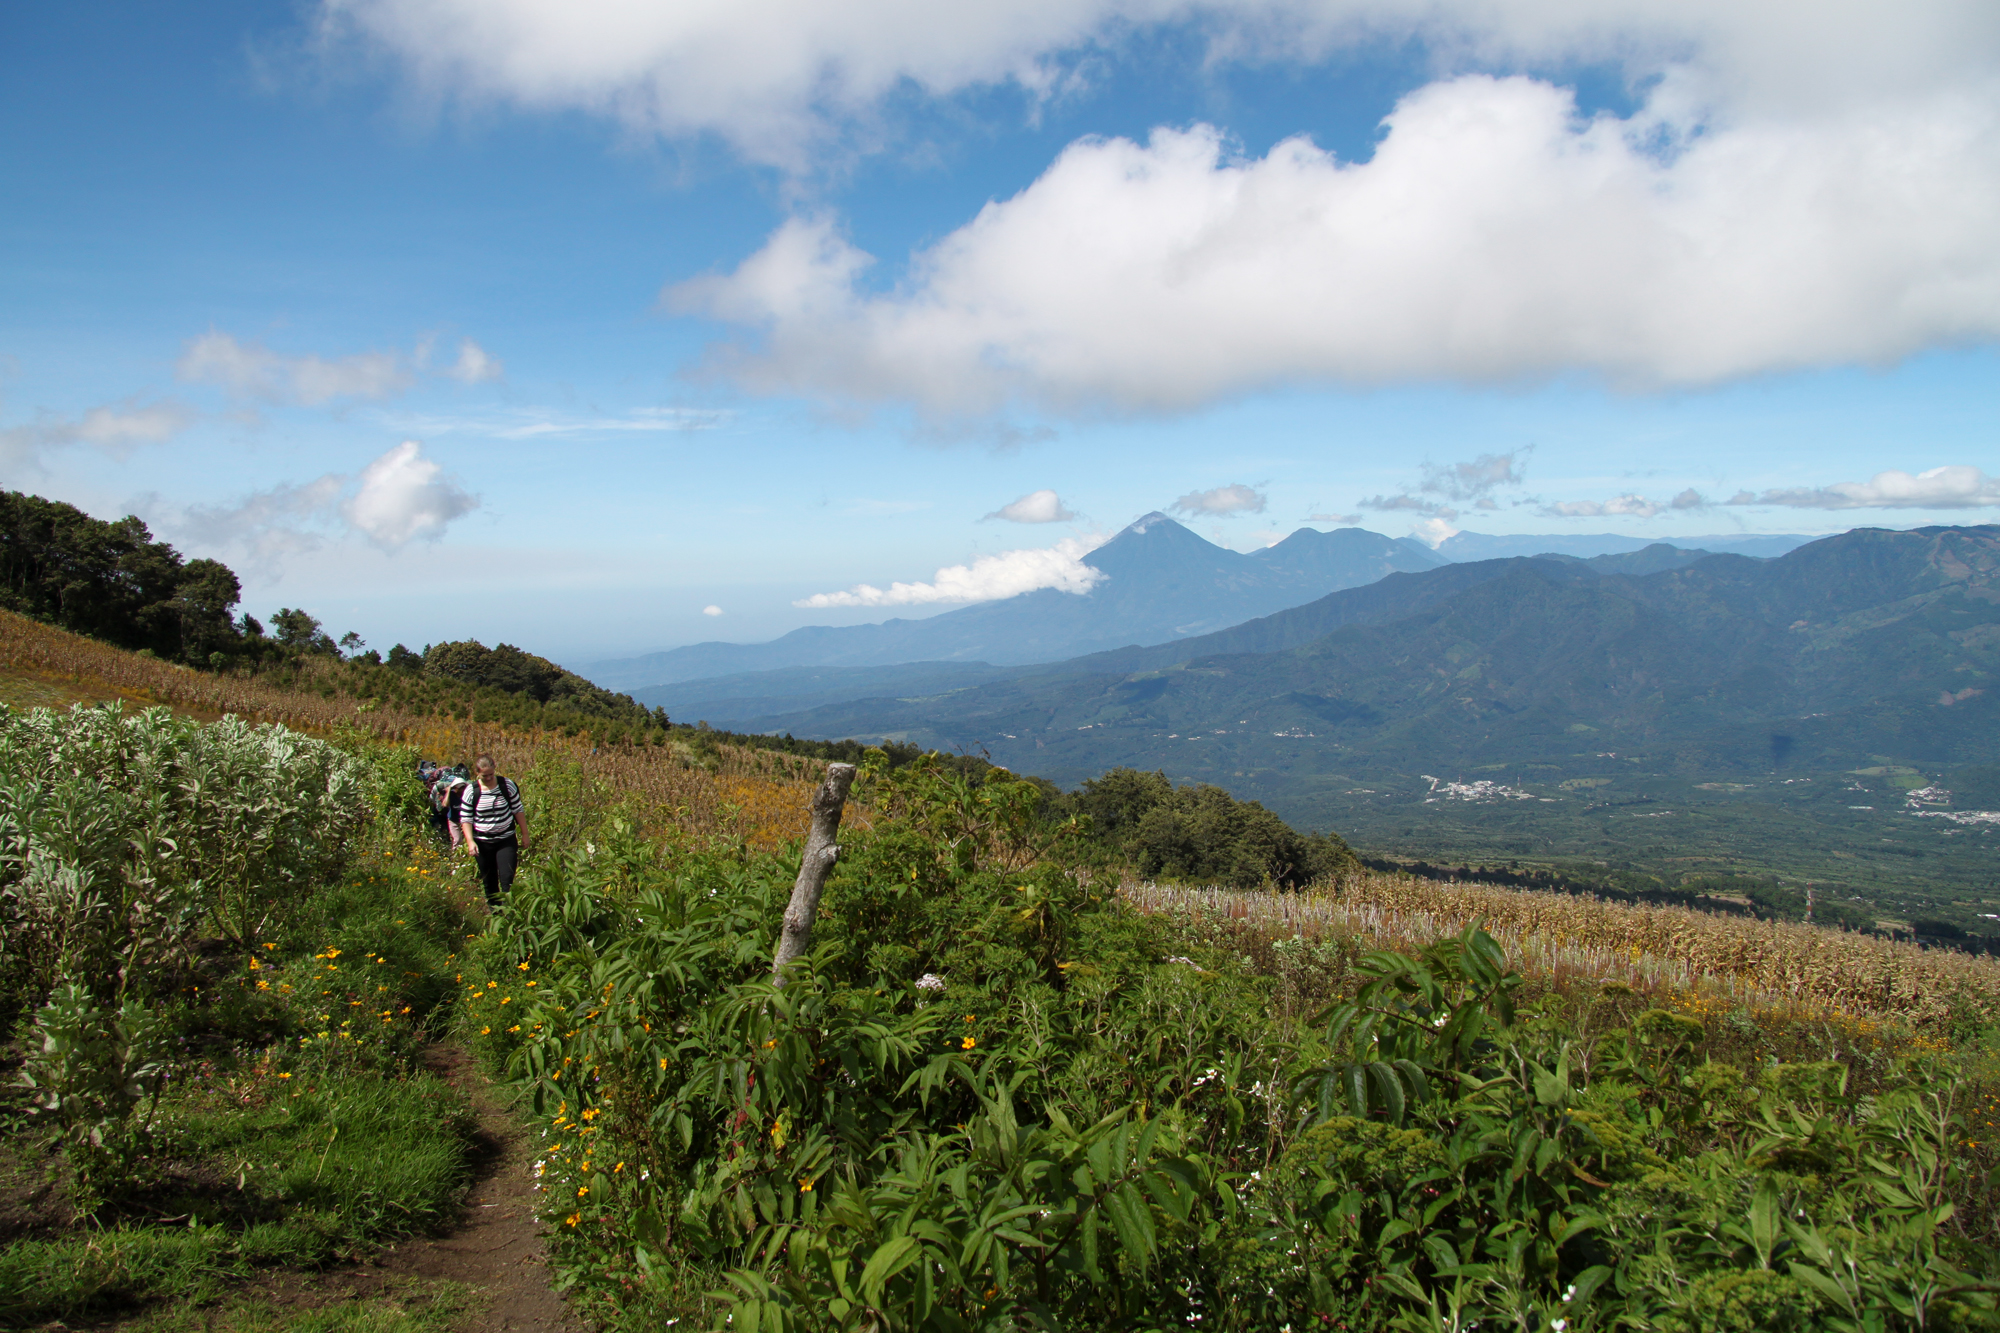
(491, 813)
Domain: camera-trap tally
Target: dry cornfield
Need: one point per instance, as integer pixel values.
(758, 794)
(1801, 970)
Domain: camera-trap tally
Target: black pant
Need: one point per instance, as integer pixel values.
(496, 866)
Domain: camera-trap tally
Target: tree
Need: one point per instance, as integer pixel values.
(351, 644)
(300, 631)
(208, 591)
(112, 581)
(1202, 834)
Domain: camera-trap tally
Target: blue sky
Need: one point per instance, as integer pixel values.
(565, 324)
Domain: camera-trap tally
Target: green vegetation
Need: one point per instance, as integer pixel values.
(534, 678)
(415, 1307)
(1202, 835)
(995, 1097)
(112, 581)
(219, 997)
(1726, 717)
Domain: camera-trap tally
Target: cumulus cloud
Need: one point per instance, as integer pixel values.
(988, 578)
(116, 428)
(1495, 236)
(775, 78)
(711, 610)
(403, 496)
(252, 370)
(398, 498)
(475, 365)
(1433, 531)
(1035, 507)
(1233, 499)
(1959, 487)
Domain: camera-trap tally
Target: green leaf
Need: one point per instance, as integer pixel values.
(885, 1263)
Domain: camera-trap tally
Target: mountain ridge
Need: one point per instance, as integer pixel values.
(1161, 582)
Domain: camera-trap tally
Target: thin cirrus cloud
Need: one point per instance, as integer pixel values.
(1624, 506)
(531, 422)
(987, 578)
(1407, 503)
(1495, 236)
(116, 428)
(252, 370)
(1232, 499)
(398, 498)
(1953, 487)
(1043, 506)
(1956, 487)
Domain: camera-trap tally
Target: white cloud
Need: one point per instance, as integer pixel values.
(269, 524)
(475, 366)
(404, 496)
(115, 428)
(1236, 499)
(775, 78)
(1406, 502)
(1474, 480)
(1958, 487)
(398, 498)
(1035, 507)
(251, 370)
(1494, 236)
(987, 578)
(711, 610)
(1345, 520)
(530, 422)
(1434, 532)
(1627, 506)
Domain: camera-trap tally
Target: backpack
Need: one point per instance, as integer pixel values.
(469, 803)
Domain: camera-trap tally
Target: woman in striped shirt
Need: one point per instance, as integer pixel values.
(495, 825)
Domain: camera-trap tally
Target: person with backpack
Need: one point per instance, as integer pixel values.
(446, 794)
(495, 825)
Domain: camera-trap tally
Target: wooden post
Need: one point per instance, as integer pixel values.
(814, 866)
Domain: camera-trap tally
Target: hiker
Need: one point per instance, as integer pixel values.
(445, 796)
(495, 825)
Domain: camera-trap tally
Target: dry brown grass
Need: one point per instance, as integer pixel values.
(1717, 961)
(759, 795)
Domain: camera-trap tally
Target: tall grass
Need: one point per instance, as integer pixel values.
(1568, 939)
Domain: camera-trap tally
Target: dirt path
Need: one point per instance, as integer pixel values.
(496, 1249)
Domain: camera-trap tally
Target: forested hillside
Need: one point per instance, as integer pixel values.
(1726, 714)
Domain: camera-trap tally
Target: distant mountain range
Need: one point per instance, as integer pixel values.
(1820, 687)
(1160, 582)
(1481, 546)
